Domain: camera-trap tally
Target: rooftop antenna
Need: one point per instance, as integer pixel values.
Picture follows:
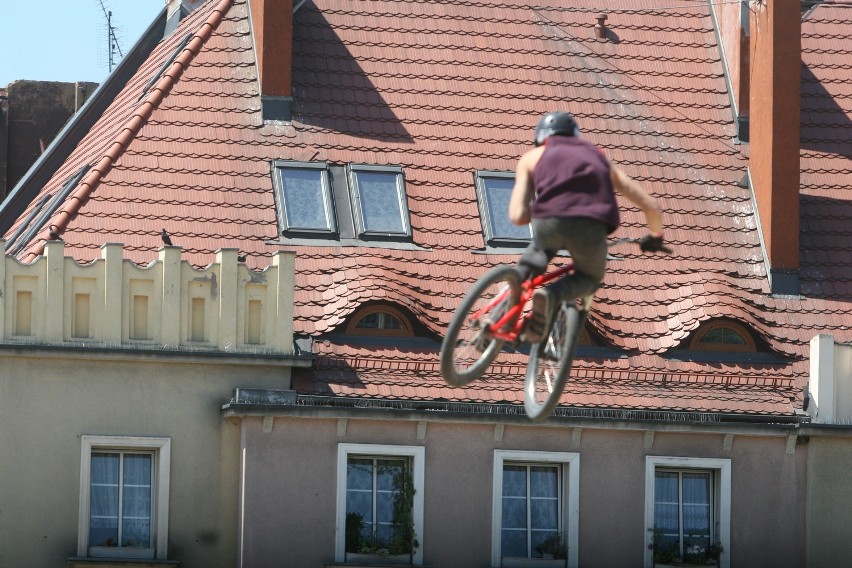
(112, 38)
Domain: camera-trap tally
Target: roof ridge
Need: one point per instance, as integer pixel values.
(59, 222)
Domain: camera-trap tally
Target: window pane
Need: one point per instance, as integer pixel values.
(381, 210)
(666, 503)
(305, 199)
(497, 194)
(514, 543)
(136, 502)
(103, 503)
(696, 505)
(514, 481)
(544, 482)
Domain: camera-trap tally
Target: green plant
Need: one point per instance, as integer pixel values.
(404, 540)
(555, 545)
(354, 526)
(664, 552)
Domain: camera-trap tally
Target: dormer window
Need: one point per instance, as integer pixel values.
(723, 335)
(493, 190)
(378, 200)
(303, 196)
(379, 320)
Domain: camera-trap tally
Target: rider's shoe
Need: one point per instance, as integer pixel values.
(542, 311)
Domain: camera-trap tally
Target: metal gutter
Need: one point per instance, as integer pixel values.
(445, 411)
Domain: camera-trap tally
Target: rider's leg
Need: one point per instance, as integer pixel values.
(533, 261)
(586, 240)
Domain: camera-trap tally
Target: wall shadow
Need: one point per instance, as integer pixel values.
(330, 88)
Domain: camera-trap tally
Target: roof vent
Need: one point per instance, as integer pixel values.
(600, 27)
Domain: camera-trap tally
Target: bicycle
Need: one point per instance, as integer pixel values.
(494, 313)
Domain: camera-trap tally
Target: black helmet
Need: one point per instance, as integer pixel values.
(552, 123)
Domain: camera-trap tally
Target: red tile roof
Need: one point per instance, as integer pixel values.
(445, 89)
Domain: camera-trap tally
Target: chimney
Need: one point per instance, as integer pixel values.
(176, 10)
(272, 30)
(600, 27)
(774, 108)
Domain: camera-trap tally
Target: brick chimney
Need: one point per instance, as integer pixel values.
(272, 30)
(774, 108)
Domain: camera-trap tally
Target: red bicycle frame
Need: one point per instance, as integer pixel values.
(508, 328)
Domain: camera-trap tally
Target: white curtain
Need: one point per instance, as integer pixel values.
(131, 473)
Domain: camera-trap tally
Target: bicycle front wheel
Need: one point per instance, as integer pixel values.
(550, 362)
(469, 346)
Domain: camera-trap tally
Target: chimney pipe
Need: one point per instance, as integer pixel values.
(272, 30)
(600, 27)
(774, 108)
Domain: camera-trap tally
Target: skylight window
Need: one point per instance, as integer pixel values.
(327, 204)
(30, 228)
(493, 190)
(378, 201)
(304, 198)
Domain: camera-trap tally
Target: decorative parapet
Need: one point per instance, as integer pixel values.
(168, 304)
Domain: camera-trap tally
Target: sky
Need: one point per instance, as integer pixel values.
(66, 40)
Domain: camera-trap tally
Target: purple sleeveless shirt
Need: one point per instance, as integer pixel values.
(572, 179)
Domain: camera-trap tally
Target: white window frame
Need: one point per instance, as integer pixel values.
(570, 463)
(722, 470)
(284, 226)
(483, 198)
(417, 455)
(161, 448)
(357, 200)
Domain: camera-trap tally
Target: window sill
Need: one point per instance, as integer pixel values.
(320, 242)
(89, 562)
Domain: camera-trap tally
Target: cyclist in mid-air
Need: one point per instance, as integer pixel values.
(565, 186)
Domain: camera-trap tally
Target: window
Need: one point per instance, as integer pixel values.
(378, 200)
(535, 497)
(379, 320)
(124, 495)
(303, 195)
(322, 204)
(723, 336)
(687, 508)
(493, 190)
(370, 482)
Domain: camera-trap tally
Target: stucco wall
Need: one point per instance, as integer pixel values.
(290, 481)
(829, 497)
(49, 400)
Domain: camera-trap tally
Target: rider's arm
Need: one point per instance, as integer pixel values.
(522, 192)
(628, 187)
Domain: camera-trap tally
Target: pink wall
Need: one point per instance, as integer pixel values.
(290, 481)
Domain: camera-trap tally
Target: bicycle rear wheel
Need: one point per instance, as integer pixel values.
(550, 362)
(469, 347)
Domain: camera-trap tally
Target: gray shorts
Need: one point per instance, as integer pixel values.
(582, 237)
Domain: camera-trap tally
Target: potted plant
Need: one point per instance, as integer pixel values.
(400, 547)
(554, 546)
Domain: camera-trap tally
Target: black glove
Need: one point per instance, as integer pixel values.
(650, 243)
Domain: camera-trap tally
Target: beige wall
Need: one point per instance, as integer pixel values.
(290, 481)
(49, 399)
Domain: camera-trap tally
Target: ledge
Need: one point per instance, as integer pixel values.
(87, 562)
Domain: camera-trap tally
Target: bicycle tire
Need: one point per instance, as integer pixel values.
(467, 350)
(550, 362)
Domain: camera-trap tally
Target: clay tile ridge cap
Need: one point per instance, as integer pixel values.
(158, 92)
